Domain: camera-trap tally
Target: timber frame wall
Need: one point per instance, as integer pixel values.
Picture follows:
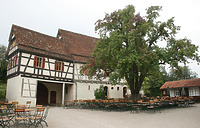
(25, 66)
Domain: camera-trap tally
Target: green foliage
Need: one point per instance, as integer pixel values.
(180, 73)
(3, 64)
(153, 82)
(100, 93)
(129, 47)
(2, 91)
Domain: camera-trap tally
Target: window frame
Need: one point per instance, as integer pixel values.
(172, 92)
(59, 66)
(39, 62)
(194, 91)
(14, 63)
(176, 93)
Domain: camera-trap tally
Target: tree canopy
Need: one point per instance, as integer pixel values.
(182, 72)
(3, 64)
(128, 46)
(153, 82)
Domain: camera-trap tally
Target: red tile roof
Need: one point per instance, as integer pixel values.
(28, 40)
(178, 84)
(81, 46)
(72, 46)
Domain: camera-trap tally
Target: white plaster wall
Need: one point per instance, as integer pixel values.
(29, 83)
(114, 93)
(13, 70)
(71, 92)
(14, 90)
(84, 93)
(12, 50)
(78, 76)
(57, 88)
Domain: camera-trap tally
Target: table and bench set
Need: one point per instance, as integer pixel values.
(13, 114)
(151, 105)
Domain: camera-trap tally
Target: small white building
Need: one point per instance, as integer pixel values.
(46, 70)
(191, 87)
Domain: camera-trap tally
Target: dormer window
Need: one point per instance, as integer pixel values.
(13, 36)
(60, 37)
(13, 43)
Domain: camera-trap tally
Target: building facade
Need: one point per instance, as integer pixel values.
(191, 88)
(46, 70)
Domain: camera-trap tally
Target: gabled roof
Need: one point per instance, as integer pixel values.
(80, 46)
(32, 41)
(72, 46)
(179, 84)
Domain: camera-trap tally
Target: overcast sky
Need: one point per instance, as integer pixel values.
(47, 16)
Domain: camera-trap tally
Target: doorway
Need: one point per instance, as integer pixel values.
(124, 92)
(42, 94)
(53, 97)
(106, 90)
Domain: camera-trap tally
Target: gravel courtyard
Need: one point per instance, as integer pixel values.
(80, 118)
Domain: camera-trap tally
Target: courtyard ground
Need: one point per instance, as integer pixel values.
(80, 118)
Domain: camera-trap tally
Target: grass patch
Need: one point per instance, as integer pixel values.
(2, 91)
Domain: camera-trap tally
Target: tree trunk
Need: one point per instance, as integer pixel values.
(134, 93)
(135, 88)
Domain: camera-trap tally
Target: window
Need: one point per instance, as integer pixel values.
(177, 93)
(172, 93)
(12, 62)
(197, 91)
(39, 62)
(107, 73)
(194, 91)
(89, 87)
(86, 72)
(164, 92)
(59, 66)
(15, 61)
(117, 88)
(13, 43)
(112, 88)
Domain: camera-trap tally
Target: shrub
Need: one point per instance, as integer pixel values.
(100, 93)
(2, 91)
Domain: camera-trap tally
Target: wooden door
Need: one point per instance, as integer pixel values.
(53, 97)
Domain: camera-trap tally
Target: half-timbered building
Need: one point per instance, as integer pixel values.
(46, 70)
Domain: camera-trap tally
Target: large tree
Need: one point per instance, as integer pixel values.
(180, 73)
(128, 46)
(154, 81)
(3, 64)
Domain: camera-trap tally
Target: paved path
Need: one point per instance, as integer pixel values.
(79, 118)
